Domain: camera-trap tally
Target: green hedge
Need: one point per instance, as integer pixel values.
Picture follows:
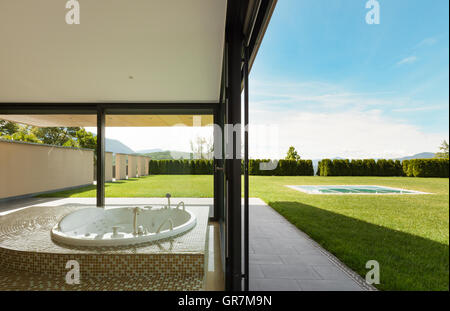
(327, 167)
(366, 167)
(426, 168)
(180, 167)
(205, 167)
(283, 168)
(382, 167)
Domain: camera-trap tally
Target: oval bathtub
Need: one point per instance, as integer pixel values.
(121, 226)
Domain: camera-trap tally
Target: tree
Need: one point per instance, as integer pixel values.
(59, 136)
(8, 128)
(444, 150)
(202, 148)
(13, 131)
(23, 134)
(86, 139)
(292, 154)
(76, 137)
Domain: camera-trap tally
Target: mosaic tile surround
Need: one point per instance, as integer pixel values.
(29, 259)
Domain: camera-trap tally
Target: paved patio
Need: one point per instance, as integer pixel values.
(282, 258)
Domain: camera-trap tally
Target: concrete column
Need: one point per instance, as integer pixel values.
(143, 166)
(132, 166)
(146, 165)
(121, 166)
(108, 166)
(139, 165)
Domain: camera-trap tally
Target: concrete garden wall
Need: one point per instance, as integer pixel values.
(27, 168)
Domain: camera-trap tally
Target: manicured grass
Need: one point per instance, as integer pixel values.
(191, 186)
(407, 234)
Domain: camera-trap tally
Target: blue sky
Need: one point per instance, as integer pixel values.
(320, 62)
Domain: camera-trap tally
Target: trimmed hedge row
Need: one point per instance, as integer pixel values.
(382, 167)
(205, 167)
(180, 167)
(426, 168)
(282, 168)
(327, 167)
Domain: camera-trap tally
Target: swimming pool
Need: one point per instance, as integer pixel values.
(351, 189)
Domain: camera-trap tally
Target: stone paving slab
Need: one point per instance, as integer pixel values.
(283, 258)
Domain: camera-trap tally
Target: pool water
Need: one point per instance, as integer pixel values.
(352, 189)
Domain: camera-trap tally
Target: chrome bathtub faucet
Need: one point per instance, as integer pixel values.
(136, 211)
(182, 204)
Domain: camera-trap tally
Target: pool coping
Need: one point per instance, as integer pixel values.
(412, 192)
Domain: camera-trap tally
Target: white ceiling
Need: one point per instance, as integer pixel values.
(122, 50)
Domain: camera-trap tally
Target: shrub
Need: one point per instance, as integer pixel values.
(357, 167)
(179, 167)
(342, 168)
(382, 167)
(203, 167)
(386, 168)
(429, 168)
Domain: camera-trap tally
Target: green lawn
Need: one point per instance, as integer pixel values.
(407, 234)
(190, 186)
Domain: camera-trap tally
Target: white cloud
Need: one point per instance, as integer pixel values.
(324, 120)
(407, 60)
(316, 95)
(421, 108)
(347, 134)
(319, 119)
(427, 42)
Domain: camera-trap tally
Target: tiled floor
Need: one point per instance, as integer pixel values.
(282, 258)
(214, 280)
(32, 261)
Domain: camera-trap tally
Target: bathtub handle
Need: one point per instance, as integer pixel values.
(181, 203)
(163, 223)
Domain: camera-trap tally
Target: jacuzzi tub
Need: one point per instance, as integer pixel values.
(119, 226)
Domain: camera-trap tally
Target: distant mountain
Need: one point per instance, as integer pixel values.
(169, 155)
(113, 145)
(149, 150)
(116, 146)
(423, 155)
